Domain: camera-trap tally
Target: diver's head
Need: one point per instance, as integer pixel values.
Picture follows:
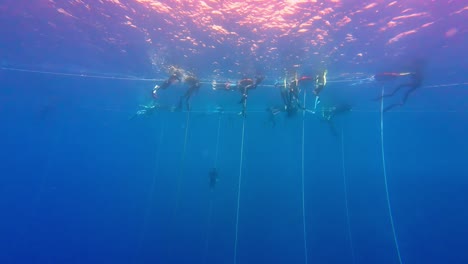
(176, 72)
(259, 79)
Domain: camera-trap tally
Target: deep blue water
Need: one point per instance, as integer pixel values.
(82, 182)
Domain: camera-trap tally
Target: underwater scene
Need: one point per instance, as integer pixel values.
(232, 131)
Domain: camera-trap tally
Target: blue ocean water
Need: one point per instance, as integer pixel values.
(83, 181)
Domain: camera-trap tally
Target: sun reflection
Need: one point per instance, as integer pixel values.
(291, 30)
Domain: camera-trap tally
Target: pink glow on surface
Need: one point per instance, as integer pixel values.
(261, 29)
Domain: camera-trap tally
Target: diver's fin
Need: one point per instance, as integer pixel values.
(317, 101)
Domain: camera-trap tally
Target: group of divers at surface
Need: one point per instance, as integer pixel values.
(289, 92)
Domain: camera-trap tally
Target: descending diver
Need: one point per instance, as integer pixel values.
(272, 112)
(329, 113)
(415, 81)
(213, 177)
(147, 110)
(180, 76)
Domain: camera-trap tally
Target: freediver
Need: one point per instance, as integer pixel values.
(181, 76)
(415, 81)
(329, 113)
(146, 110)
(289, 94)
(149, 109)
(320, 82)
(272, 112)
(243, 86)
(213, 178)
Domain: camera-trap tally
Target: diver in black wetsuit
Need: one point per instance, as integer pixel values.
(320, 82)
(272, 112)
(194, 85)
(416, 79)
(414, 83)
(147, 110)
(329, 113)
(284, 92)
(293, 104)
(181, 76)
(244, 86)
(289, 94)
(176, 76)
(213, 177)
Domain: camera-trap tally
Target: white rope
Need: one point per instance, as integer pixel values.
(181, 171)
(82, 75)
(151, 194)
(210, 212)
(239, 191)
(217, 142)
(130, 78)
(306, 260)
(346, 197)
(385, 176)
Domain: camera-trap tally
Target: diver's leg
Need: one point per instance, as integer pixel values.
(187, 103)
(317, 101)
(187, 96)
(392, 93)
(179, 106)
(284, 96)
(407, 94)
(272, 117)
(391, 107)
(244, 107)
(332, 128)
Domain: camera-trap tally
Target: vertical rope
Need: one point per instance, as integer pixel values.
(182, 162)
(151, 194)
(217, 142)
(346, 197)
(210, 210)
(239, 190)
(385, 176)
(306, 259)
